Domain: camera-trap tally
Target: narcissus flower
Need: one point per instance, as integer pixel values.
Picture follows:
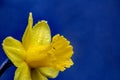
(37, 57)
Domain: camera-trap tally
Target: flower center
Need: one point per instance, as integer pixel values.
(36, 56)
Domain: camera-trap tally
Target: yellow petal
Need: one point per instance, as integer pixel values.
(22, 73)
(41, 34)
(26, 39)
(49, 72)
(14, 50)
(38, 35)
(36, 75)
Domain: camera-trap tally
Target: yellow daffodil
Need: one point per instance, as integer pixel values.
(38, 57)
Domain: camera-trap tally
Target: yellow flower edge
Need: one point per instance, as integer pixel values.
(38, 57)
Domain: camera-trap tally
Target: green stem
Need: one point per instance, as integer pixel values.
(4, 66)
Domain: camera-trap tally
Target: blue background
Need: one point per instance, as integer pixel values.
(92, 26)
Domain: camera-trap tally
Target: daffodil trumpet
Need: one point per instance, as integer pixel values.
(37, 56)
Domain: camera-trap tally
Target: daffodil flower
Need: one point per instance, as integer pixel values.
(37, 57)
